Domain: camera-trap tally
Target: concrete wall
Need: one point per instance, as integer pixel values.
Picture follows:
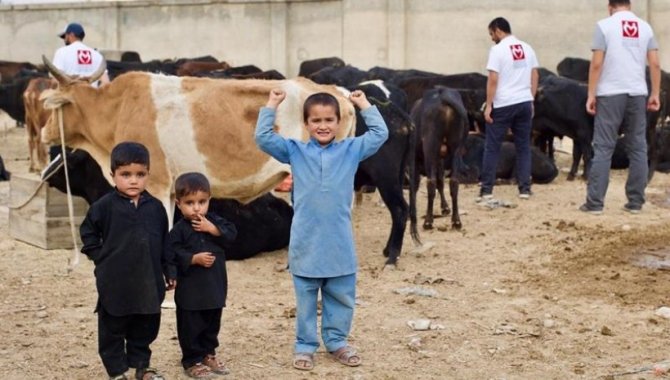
(436, 35)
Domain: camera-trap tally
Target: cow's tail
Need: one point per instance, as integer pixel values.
(459, 169)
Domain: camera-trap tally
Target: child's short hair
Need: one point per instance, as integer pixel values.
(322, 98)
(127, 153)
(190, 183)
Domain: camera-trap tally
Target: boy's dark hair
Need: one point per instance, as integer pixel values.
(501, 24)
(129, 152)
(614, 3)
(190, 183)
(322, 98)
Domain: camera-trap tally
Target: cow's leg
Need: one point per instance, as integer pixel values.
(576, 158)
(430, 186)
(439, 182)
(41, 152)
(395, 202)
(551, 150)
(453, 191)
(32, 149)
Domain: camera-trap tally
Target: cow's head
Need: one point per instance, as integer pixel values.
(62, 98)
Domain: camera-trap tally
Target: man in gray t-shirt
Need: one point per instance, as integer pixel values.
(617, 96)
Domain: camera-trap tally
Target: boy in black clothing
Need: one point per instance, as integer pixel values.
(197, 242)
(124, 234)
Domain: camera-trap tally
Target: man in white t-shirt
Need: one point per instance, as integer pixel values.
(75, 58)
(510, 90)
(617, 96)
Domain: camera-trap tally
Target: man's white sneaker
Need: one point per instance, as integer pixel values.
(484, 197)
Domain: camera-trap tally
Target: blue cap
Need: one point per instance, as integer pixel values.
(75, 28)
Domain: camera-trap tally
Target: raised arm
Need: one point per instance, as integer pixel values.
(377, 133)
(267, 139)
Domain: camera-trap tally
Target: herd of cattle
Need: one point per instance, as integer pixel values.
(192, 121)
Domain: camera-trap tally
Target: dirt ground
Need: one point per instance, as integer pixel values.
(539, 291)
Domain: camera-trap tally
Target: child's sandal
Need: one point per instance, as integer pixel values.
(347, 355)
(148, 374)
(215, 365)
(198, 371)
(303, 361)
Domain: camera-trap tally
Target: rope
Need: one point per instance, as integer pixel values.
(37, 189)
(70, 208)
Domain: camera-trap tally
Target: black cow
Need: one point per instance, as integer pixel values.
(204, 58)
(396, 76)
(560, 111)
(262, 225)
(543, 169)
(9, 70)
(245, 71)
(574, 68)
(474, 101)
(471, 86)
(390, 91)
(578, 69)
(130, 56)
(663, 143)
(441, 122)
(658, 150)
(345, 76)
(269, 74)
(167, 67)
(415, 87)
(11, 94)
(386, 168)
(116, 68)
(544, 73)
(311, 66)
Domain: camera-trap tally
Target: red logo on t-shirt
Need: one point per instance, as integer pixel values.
(84, 57)
(630, 29)
(517, 52)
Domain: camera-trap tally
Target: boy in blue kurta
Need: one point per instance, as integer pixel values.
(322, 255)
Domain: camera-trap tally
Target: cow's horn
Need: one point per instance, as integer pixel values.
(98, 73)
(60, 76)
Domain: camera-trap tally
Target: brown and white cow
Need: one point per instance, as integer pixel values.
(36, 118)
(187, 124)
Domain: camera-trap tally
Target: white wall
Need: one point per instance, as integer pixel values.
(437, 35)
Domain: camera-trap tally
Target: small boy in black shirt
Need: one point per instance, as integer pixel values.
(197, 242)
(124, 233)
